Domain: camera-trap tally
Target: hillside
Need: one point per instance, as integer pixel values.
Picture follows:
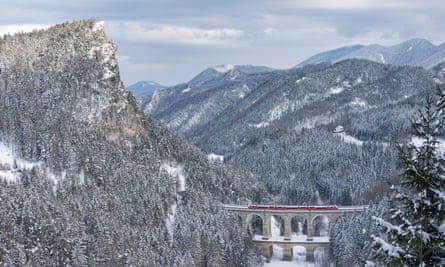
(279, 125)
(87, 179)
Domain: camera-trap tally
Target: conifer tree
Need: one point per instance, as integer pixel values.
(412, 233)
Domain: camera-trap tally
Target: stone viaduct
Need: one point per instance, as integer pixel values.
(288, 240)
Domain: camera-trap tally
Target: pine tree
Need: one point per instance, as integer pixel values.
(412, 233)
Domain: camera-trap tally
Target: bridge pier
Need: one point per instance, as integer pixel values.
(288, 253)
(287, 243)
(310, 254)
(287, 227)
(310, 231)
(267, 251)
(266, 226)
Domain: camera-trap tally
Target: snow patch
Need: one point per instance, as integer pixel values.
(349, 139)
(335, 90)
(301, 80)
(188, 89)
(382, 58)
(215, 157)
(442, 228)
(358, 81)
(98, 26)
(175, 171)
(11, 166)
(409, 49)
(224, 68)
(170, 220)
(313, 122)
(244, 90)
(418, 142)
(358, 102)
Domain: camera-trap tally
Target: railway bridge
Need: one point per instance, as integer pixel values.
(306, 226)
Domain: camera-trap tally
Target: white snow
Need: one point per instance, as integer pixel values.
(170, 220)
(224, 68)
(188, 89)
(409, 49)
(349, 139)
(418, 142)
(301, 79)
(382, 58)
(177, 172)
(393, 251)
(358, 81)
(299, 258)
(106, 51)
(10, 166)
(442, 228)
(261, 124)
(358, 102)
(313, 122)
(98, 26)
(244, 90)
(335, 90)
(215, 157)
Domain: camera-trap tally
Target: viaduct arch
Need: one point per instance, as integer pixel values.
(288, 241)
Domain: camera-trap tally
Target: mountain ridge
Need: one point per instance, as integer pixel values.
(268, 122)
(413, 52)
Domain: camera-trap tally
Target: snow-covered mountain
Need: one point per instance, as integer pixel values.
(87, 179)
(414, 52)
(279, 125)
(144, 89)
(226, 72)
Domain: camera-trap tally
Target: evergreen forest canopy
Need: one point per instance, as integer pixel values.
(87, 179)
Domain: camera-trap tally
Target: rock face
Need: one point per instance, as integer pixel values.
(87, 179)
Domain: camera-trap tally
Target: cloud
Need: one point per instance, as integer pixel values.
(140, 32)
(147, 66)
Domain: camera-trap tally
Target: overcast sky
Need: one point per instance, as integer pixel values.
(170, 41)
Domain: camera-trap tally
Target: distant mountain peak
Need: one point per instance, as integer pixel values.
(413, 52)
(144, 89)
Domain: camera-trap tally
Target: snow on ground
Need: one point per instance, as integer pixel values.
(335, 90)
(417, 141)
(349, 139)
(301, 79)
(224, 68)
(313, 122)
(215, 157)
(358, 102)
(299, 252)
(170, 220)
(382, 58)
(299, 258)
(188, 89)
(175, 171)
(99, 25)
(10, 166)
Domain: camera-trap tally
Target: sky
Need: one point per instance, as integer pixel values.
(171, 41)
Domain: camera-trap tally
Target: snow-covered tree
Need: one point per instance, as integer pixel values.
(412, 233)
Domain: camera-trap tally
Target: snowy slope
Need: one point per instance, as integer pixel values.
(414, 52)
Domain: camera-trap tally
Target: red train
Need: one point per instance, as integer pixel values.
(269, 207)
